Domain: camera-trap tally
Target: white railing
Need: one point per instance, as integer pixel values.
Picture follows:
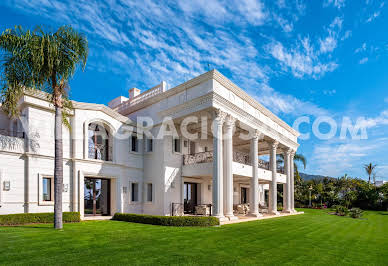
(239, 157)
(142, 97)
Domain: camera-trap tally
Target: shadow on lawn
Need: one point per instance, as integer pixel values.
(383, 213)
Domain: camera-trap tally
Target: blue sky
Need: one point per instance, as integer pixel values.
(298, 58)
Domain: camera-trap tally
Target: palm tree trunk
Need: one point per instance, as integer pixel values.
(58, 169)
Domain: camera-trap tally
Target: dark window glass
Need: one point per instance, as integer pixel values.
(47, 189)
(134, 144)
(149, 192)
(135, 192)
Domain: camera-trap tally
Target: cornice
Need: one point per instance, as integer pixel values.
(224, 81)
(41, 95)
(273, 133)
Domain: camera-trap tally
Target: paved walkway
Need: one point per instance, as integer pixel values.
(242, 219)
(96, 218)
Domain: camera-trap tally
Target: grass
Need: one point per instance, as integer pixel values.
(312, 238)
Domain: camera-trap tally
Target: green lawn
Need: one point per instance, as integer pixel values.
(312, 238)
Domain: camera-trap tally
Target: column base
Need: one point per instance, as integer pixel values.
(231, 217)
(257, 215)
(221, 218)
(274, 212)
(294, 211)
(287, 211)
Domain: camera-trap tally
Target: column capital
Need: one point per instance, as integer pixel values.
(274, 144)
(287, 151)
(219, 115)
(256, 135)
(292, 153)
(229, 121)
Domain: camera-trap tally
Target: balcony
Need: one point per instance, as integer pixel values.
(238, 157)
(9, 133)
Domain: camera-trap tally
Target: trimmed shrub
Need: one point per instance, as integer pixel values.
(167, 220)
(31, 218)
(341, 210)
(355, 212)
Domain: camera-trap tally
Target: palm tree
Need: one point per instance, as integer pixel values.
(297, 158)
(369, 169)
(43, 61)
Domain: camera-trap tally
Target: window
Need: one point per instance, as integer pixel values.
(177, 145)
(149, 192)
(47, 186)
(149, 145)
(134, 144)
(206, 149)
(98, 142)
(134, 192)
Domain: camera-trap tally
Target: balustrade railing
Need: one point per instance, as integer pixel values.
(239, 157)
(9, 133)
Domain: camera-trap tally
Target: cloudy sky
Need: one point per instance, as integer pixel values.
(309, 59)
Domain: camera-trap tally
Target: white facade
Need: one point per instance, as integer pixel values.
(221, 164)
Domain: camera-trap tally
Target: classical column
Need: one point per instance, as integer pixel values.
(292, 181)
(287, 185)
(254, 195)
(272, 208)
(228, 163)
(218, 120)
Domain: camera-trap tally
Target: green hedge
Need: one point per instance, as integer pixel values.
(31, 218)
(167, 220)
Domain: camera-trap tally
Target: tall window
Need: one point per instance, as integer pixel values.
(149, 145)
(98, 142)
(134, 192)
(134, 144)
(177, 145)
(149, 192)
(47, 189)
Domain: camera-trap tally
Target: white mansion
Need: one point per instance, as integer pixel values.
(205, 161)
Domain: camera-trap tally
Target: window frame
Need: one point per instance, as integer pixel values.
(149, 145)
(147, 194)
(131, 199)
(131, 142)
(42, 202)
(176, 140)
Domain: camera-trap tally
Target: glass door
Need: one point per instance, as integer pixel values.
(190, 197)
(96, 196)
(244, 195)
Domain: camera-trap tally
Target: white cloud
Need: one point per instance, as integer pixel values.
(363, 60)
(386, 100)
(301, 60)
(329, 92)
(283, 23)
(373, 16)
(252, 10)
(361, 48)
(336, 3)
(328, 44)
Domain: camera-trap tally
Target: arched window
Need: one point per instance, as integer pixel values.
(98, 142)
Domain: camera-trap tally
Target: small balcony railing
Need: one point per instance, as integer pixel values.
(239, 157)
(9, 133)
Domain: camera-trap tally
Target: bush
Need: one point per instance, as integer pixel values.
(31, 218)
(341, 210)
(355, 213)
(167, 220)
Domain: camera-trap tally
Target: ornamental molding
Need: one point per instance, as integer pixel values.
(224, 81)
(81, 106)
(242, 115)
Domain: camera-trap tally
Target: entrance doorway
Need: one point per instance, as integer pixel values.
(190, 197)
(244, 195)
(96, 196)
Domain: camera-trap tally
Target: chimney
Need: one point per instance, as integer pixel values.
(133, 92)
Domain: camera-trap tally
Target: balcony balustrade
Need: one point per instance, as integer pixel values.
(239, 157)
